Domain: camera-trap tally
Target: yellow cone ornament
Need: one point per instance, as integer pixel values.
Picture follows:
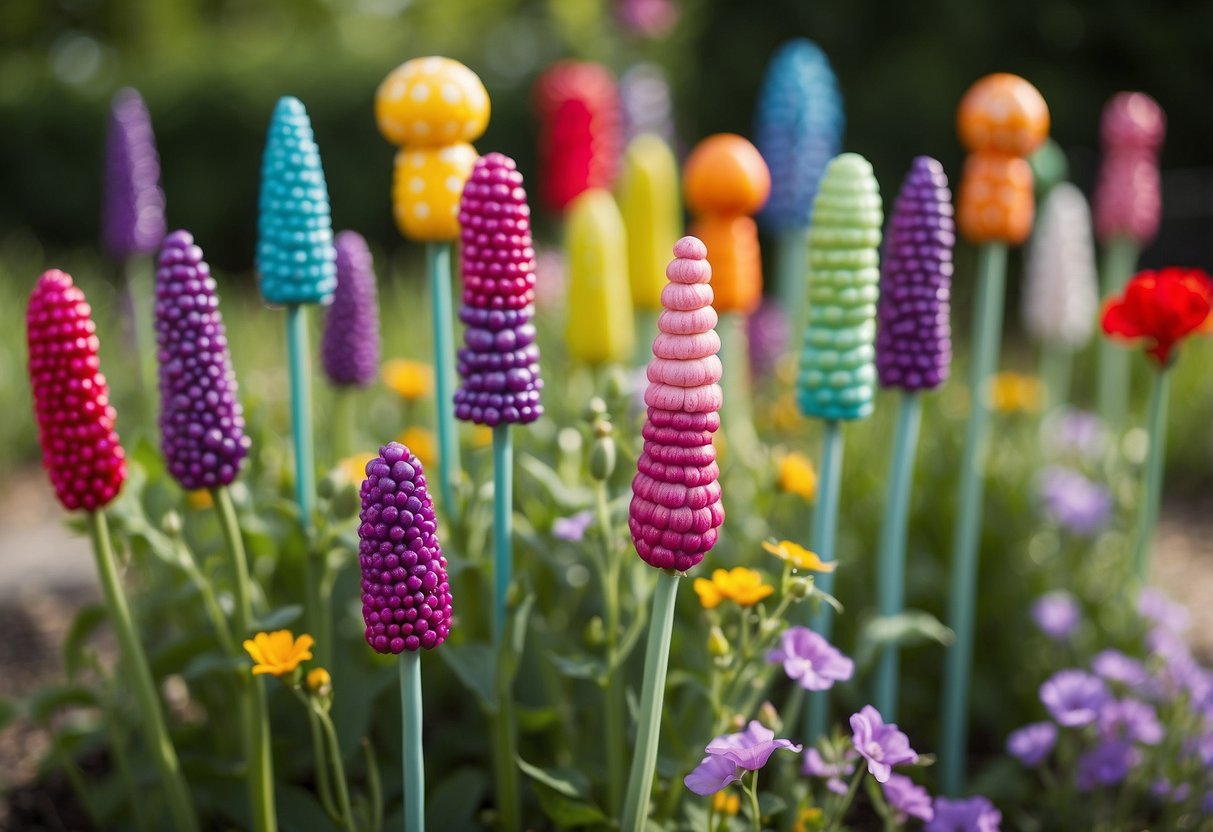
(600, 328)
(652, 215)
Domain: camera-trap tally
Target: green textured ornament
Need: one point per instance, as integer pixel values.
(837, 379)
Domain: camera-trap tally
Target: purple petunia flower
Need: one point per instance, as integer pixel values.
(573, 527)
(972, 814)
(1107, 764)
(1129, 719)
(816, 766)
(728, 755)
(1056, 614)
(907, 799)
(1080, 506)
(883, 746)
(1074, 697)
(1155, 606)
(810, 660)
(1175, 793)
(1115, 666)
(1032, 743)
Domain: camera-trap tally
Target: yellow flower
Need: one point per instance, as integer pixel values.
(279, 652)
(410, 380)
(1015, 393)
(810, 818)
(726, 802)
(785, 415)
(796, 476)
(421, 442)
(482, 436)
(319, 681)
(353, 468)
(798, 556)
(199, 498)
(742, 586)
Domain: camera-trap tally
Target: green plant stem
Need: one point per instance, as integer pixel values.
(737, 415)
(438, 269)
(505, 769)
(891, 560)
(139, 290)
(652, 697)
(299, 366)
(962, 601)
(503, 525)
(156, 733)
(344, 401)
(1147, 519)
(751, 789)
(255, 714)
(413, 762)
(646, 331)
(823, 542)
(1112, 382)
(791, 257)
(343, 792)
(117, 738)
(1056, 370)
(616, 730)
(373, 784)
(852, 790)
(324, 786)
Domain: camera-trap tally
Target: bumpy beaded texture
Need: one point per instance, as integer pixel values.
(581, 131)
(837, 380)
(295, 234)
(406, 600)
(798, 129)
(133, 215)
(499, 363)
(676, 509)
(80, 448)
(1061, 286)
(1128, 194)
(914, 331)
(350, 348)
(201, 420)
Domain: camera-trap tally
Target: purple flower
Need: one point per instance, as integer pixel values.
(1155, 606)
(1075, 432)
(573, 528)
(711, 775)
(1080, 506)
(1107, 764)
(201, 420)
(883, 746)
(1056, 614)
(1129, 719)
(972, 814)
(907, 799)
(809, 659)
(1175, 793)
(1115, 666)
(1074, 697)
(1032, 743)
(133, 215)
(1206, 805)
(816, 766)
(728, 755)
(349, 351)
(768, 333)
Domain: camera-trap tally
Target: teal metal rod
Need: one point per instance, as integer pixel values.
(503, 524)
(1156, 453)
(413, 760)
(791, 263)
(1056, 371)
(1112, 391)
(824, 542)
(891, 569)
(962, 602)
(652, 698)
(737, 412)
(438, 267)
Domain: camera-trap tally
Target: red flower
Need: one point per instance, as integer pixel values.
(1164, 307)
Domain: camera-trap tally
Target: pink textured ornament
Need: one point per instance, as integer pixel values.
(1128, 193)
(676, 508)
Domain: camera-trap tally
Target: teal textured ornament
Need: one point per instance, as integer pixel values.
(837, 379)
(295, 254)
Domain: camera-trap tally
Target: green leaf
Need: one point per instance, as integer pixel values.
(475, 665)
(905, 629)
(279, 618)
(770, 805)
(578, 665)
(566, 781)
(86, 621)
(42, 705)
(215, 662)
(566, 811)
(514, 642)
(535, 720)
(452, 804)
(556, 489)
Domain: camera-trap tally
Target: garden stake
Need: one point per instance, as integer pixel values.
(725, 180)
(837, 379)
(913, 354)
(1002, 119)
(679, 462)
(798, 129)
(503, 523)
(413, 762)
(1156, 429)
(431, 108)
(1128, 206)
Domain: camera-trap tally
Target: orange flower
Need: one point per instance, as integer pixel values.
(742, 586)
(798, 556)
(278, 653)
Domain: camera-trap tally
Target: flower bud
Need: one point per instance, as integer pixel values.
(769, 717)
(602, 458)
(171, 524)
(595, 408)
(602, 428)
(320, 683)
(595, 632)
(346, 501)
(718, 645)
(800, 588)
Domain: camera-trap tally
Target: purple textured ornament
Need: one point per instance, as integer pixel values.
(350, 347)
(133, 204)
(499, 363)
(201, 420)
(768, 333)
(914, 334)
(406, 600)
